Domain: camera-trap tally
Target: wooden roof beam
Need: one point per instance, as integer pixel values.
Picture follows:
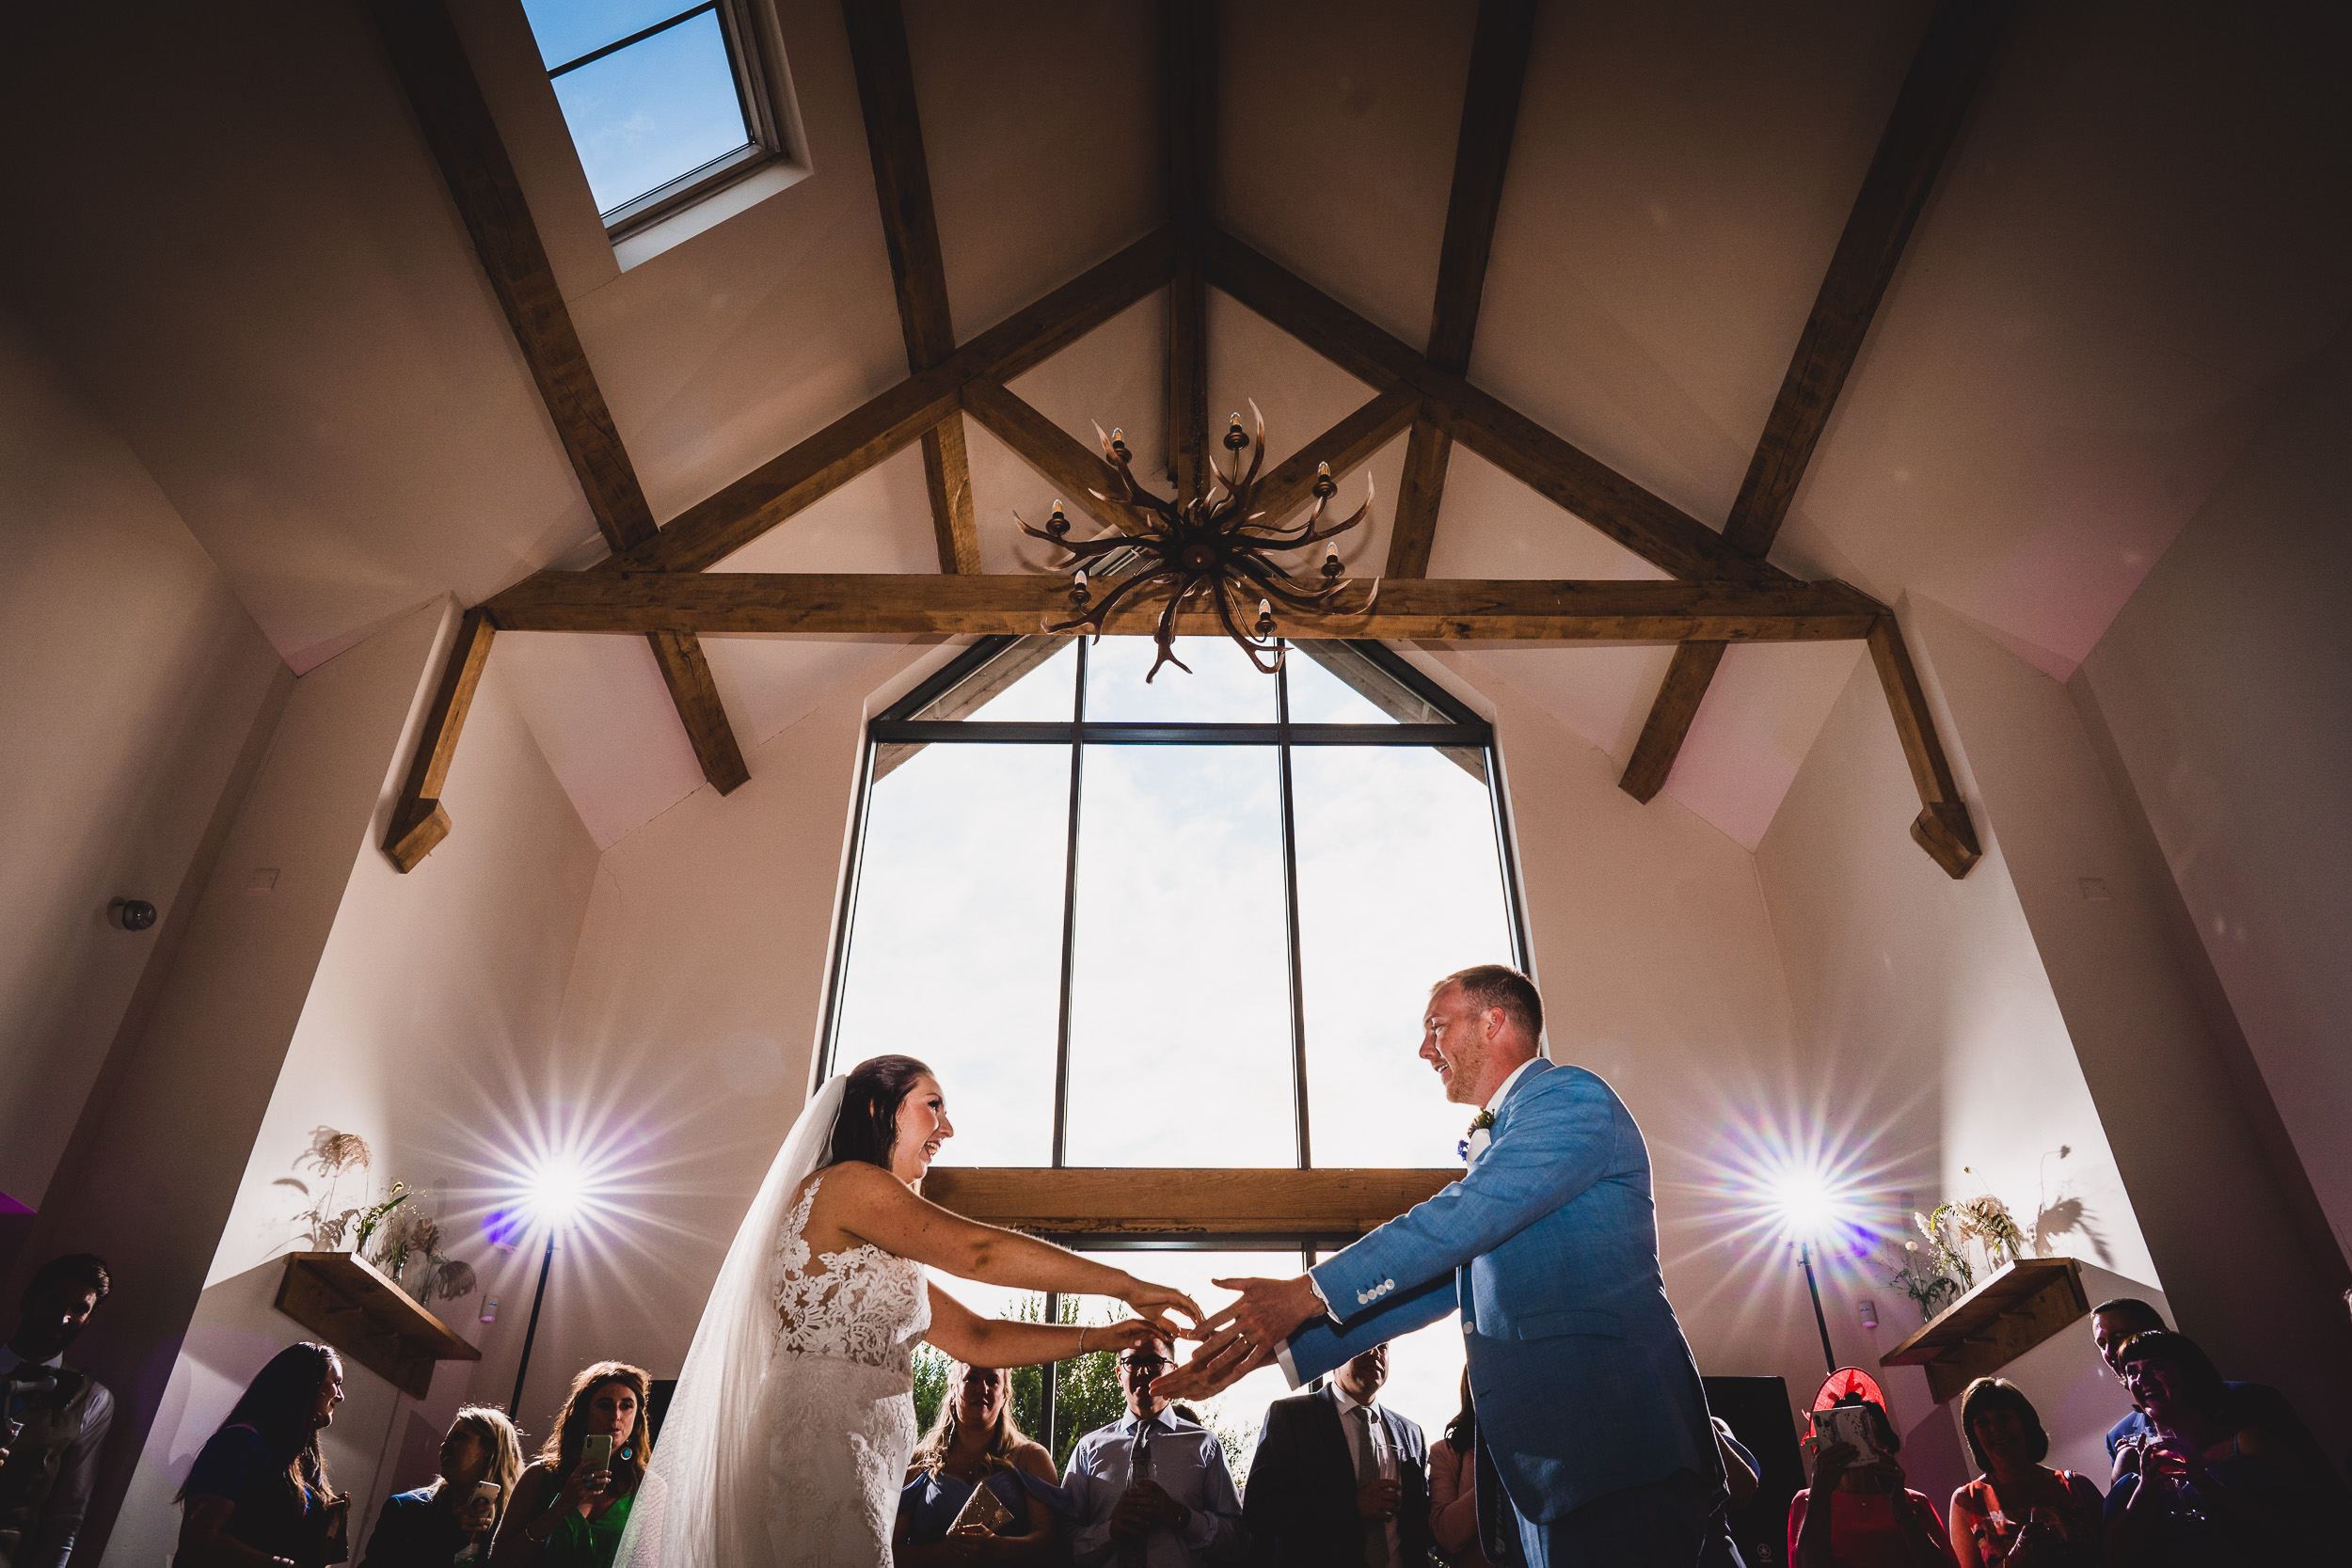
(1942, 828)
(419, 822)
(1188, 66)
(1599, 496)
(720, 523)
(1481, 154)
(431, 63)
(1952, 58)
(882, 603)
(902, 181)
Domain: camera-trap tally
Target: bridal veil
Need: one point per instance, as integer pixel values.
(702, 1502)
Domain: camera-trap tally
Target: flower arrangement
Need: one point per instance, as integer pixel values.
(1938, 1274)
(407, 1241)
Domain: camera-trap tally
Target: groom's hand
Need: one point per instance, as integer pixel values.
(1268, 1308)
(1220, 1363)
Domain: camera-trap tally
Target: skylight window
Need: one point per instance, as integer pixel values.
(666, 102)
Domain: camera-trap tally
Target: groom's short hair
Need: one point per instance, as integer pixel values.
(1501, 986)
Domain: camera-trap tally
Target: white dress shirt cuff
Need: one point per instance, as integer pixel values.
(1282, 1359)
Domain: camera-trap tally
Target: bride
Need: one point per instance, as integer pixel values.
(789, 1434)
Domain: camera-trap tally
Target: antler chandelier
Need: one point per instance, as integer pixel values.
(1211, 547)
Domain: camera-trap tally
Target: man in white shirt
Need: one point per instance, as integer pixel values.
(1338, 1480)
(1181, 1511)
(52, 1418)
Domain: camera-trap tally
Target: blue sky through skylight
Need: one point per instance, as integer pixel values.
(641, 115)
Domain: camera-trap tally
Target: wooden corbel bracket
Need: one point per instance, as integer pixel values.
(419, 822)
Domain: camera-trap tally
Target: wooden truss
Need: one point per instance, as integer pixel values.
(657, 585)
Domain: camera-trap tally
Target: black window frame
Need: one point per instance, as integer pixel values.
(1464, 735)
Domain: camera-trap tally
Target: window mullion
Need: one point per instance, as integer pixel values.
(1289, 918)
(1070, 919)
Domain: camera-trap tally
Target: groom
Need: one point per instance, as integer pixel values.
(1589, 1407)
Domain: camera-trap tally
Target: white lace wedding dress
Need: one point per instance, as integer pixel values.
(838, 1413)
(788, 1436)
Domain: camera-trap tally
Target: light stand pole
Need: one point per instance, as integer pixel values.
(1804, 1255)
(547, 1261)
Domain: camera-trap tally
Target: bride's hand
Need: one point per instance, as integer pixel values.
(1154, 1302)
(1134, 1334)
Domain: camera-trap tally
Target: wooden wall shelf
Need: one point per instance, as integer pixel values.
(1993, 1324)
(354, 1306)
(1171, 1204)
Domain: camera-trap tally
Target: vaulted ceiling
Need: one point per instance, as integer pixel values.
(229, 229)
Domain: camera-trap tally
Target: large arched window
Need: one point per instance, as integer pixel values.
(1080, 897)
(1184, 924)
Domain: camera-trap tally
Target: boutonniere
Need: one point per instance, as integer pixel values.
(1475, 1145)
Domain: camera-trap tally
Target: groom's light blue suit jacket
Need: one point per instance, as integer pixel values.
(1548, 1249)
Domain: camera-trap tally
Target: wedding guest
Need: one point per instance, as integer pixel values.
(566, 1515)
(1182, 1510)
(259, 1492)
(2203, 1491)
(1340, 1480)
(1454, 1487)
(2256, 1404)
(57, 1415)
(1858, 1514)
(2019, 1510)
(431, 1525)
(975, 1442)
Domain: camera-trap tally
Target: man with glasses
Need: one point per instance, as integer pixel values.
(1175, 1509)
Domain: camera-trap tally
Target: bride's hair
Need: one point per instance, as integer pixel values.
(931, 1452)
(868, 1123)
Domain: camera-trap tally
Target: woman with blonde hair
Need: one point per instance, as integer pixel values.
(429, 1528)
(570, 1514)
(974, 1443)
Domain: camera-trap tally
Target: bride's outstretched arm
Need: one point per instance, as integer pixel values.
(875, 1205)
(979, 1342)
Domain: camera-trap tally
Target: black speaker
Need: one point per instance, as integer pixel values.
(1761, 1417)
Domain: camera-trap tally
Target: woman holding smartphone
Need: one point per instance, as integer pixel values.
(573, 1502)
(435, 1526)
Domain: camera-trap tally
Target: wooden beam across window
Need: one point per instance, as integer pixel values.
(1184, 1202)
(1952, 58)
(1441, 609)
(894, 137)
(432, 65)
(716, 527)
(1482, 156)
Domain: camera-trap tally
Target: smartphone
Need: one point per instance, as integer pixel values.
(595, 1453)
(1852, 1424)
(486, 1491)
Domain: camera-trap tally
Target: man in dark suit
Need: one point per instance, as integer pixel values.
(1339, 1481)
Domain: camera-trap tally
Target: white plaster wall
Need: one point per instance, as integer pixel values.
(434, 1002)
(2220, 1226)
(154, 1168)
(685, 1040)
(1924, 1007)
(2226, 683)
(135, 681)
(1935, 1049)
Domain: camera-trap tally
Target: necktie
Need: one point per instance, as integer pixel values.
(1368, 1471)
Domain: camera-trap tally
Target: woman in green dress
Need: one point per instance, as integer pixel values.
(569, 1514)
